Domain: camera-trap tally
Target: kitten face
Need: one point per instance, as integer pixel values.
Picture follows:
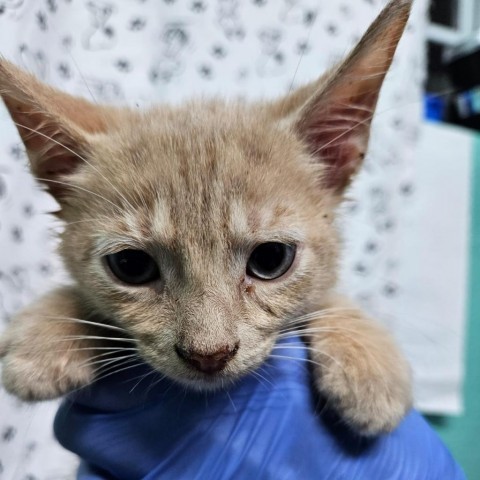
(194, 192)
(198, 198)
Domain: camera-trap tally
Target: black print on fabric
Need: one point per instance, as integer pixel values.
(99, 35)
(8, 6)
(174, 41)
(272, 60)
(229, 19)
(33, 60)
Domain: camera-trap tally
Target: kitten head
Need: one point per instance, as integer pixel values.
(203, 229)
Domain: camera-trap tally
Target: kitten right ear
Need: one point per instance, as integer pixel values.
(53, 126)
(333, 115)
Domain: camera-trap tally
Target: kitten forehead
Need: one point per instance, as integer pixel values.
(162, 223)
(258, 221)
(235, 176)
(240, 221)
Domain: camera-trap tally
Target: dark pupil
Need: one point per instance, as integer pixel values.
(133, 266)
(270, 260)
(268, 256)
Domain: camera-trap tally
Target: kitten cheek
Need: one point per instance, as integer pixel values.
(255, 347)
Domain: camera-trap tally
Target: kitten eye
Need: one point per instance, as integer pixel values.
(134, 267)
(270, 260)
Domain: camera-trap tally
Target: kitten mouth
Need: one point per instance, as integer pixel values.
(214, 380)
(208, 382)
(214, 376)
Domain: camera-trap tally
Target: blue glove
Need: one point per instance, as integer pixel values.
(268, 426)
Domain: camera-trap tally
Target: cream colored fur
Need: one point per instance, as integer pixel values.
(197, 187)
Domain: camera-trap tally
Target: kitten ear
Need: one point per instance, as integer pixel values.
(335, 121)
(53, 126)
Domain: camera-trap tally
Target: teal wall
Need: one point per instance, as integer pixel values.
(462, 434)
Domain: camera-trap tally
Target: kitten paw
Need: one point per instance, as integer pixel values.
(53, 378)
(46, 351)
(369, 388)
(32, 374)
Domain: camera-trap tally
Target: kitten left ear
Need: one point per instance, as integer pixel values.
(54, 126)
(335, 121)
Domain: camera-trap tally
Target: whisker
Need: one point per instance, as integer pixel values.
(290, 88)
(315, 321)
(90, 362)
(101, 377)
(72, 338)
(368, 354)
(313, 362)
(114, 368)
(49, 180)
(230, 398)
(308, 360)
(293, 347)
(156, 382)
(96, 337)
(87, 322)
(306, 331)
(142, 377)
(262, 379)
(111, 364)
(369, 118)
(69, 52)
(95, 219)
(321, 313)
(336, 332)
(111, 349)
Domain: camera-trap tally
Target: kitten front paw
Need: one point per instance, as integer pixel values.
(33, 373)
(46, 350)
(370, 388)
(44, 378)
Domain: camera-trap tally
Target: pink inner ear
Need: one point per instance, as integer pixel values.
(54, 171)
(57, 166)
(52, 152)
(337, 131)
(342, 162)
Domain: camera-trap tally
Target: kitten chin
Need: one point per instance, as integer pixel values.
(209, 383)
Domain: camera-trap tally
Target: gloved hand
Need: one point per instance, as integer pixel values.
(268, 426)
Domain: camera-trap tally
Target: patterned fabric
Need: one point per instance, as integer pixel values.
(145, 51)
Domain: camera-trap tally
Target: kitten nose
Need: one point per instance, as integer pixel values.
(208, 362)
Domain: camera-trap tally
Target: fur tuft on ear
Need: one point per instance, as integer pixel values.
(333, 115)
(53, 126)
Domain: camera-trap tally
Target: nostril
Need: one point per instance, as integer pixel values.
(209, 362)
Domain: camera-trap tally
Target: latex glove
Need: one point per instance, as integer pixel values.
(268, 426)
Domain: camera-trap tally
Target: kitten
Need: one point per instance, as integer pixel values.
(203, 233)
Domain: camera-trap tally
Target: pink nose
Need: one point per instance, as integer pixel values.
(209, 362)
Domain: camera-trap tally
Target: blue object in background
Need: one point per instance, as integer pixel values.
(434, 107)
(268, 426)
